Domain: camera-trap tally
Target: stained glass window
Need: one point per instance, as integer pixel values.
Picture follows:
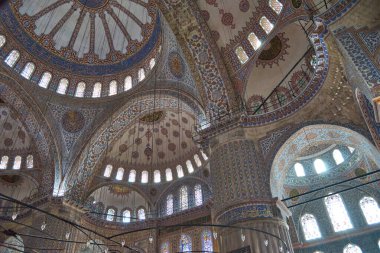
(266, 24)
(352, 248)
(310, 227)
(108, 171)
(110, 214)
(144, 177)
(254, 41)
(126, 216)
(168, 174)
(165, 247)
(183, 198)
(207, 241)
(141, 214)
(157, 176)
(169, 204)
(127, 83)
(179, 171)
(198, 195)
(97, 91)
(337, 213)
(370, 210)
(132, 176)
(12, 58)
(62, 86)
(141, 74)
(300, 172)
(338, 157)
(29, 162)
(2, 40)
(152, 63)
(120, 174)
(45, 80)
(197, 160)
(241, 54)
(319, 166)
(113, 88)
(276, 6)
(79, 92)
(189, 166)
(185, 244)
(28, 70)
(4, 162)
(17, 163)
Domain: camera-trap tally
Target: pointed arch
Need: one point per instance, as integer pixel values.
(370, 209)
(310, 227)
(337, 212)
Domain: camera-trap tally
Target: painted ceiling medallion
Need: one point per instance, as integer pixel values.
(73, 121)
(274, 51)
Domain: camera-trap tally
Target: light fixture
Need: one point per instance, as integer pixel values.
(122, 243)
(150, 238)
(242, 236)
(67, 236)
(280, 249)
(266, 242)
(215, 234)
(14, 216)
(43, 225)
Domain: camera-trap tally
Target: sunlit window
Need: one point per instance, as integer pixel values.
(351, 149)
(168, 174)
(205, 157)
(62, 86)
(157, 176)
(141, 214)
(28, 70)
(254, 41)
(79, 92)
(207, 241)
(179, 171)
(97, 91)
(120, 174)
(319, 166)
(132, 176)
(12, 58)
(144, 177)
(241, 54)
(127, 83)
(185, 243)
(17, 163)
(378, 243)
(141, 74)
(29, 162)
(152, 63)
(300, 172)
(266, 24)
(197, 160)
(126, 216)
(45, 80)
(4, 162)
(189, 166)
(370, 210)
(183, 198)
(310, 227)
(110, 214)
(108, 171)
(113, 88)
(198, 195)
(338, 157)
(276, 6)
(352, 248)
(165, 247)
(337, 213)
(2, 40)
(169, 204)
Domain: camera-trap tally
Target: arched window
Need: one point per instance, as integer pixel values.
(352, 248)
(2, 40)
(165, 247)
(370, 210)
(197, 160)
(183, 198)
(310, 227)
(17, 163)
(300, 172)
(169, 204)
(45, 80)
(157, 176)
(144, 177)
(79, 92)
(28, 70)
(141, 74)
(276, 6)
(141, 214)
(12, 58)
(62, 86)
(207, 241)
(126, 216)
(338, 157)
(168, 175)
(120, 174)
(205, 157)
(29, 162)
(127, 83)
(198, 195)
(337, 213)
(266, 24)
(108, 171)
(113, 88)
(185, 243)
(319, 166)
(254, 41)
(189, 166)
(241, 54)
(110, 214)
(97, 91)
(179, 171)
(132, 176)
(4, 162)
(152, 63)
